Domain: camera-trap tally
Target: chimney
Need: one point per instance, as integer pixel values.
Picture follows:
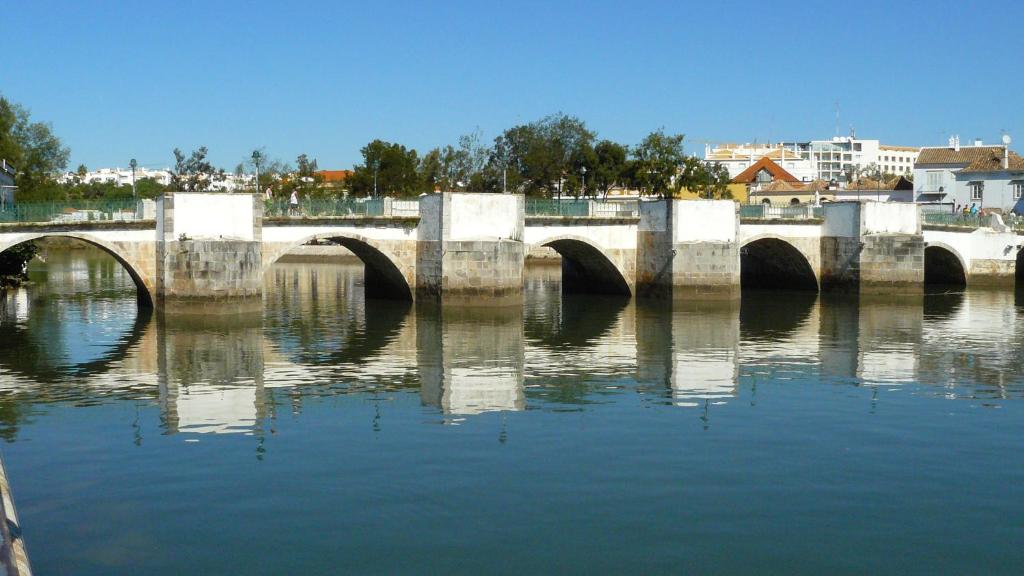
(956, 143)
(1006, 157)
(977, 142)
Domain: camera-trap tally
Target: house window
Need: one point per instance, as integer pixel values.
(1018, 189)
(977, 189)
(934, 181)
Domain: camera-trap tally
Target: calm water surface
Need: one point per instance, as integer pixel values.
(334, 434)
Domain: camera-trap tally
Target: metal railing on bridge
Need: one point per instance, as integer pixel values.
(582, 208)
(956, 220)
(76, 211)
(790, 212)
(341, 207)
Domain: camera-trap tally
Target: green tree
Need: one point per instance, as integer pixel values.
(388, 170)
(543, 158)
(34, 151)
(194, 173)
(707, 181)
(610, 167)
(13, 262)
(657, 161)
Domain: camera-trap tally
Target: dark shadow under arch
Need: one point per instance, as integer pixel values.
(586, 270)
(143, 296)
(943, 268)
(774, 264)
(381, 277)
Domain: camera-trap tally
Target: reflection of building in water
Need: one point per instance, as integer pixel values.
(690, 349)
(470, 359)
(211, 373)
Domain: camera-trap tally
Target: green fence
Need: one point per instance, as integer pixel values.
(789, 212)
(574, 208)
(548, 207)
(72, 211)
(325, 208)
(948, 219)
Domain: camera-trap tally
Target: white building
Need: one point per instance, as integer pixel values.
(119, 176)
(738, 157)
(123, 177)
(989, 176)
(828, 160)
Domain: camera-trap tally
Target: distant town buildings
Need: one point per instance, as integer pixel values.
(829, 160)
(123, 177)
(988, 176)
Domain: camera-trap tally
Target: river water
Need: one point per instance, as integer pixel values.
(332, 434)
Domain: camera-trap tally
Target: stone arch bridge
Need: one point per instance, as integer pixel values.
(463, 247)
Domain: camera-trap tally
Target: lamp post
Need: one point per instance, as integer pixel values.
(583, 187)
(133, 164)
(256, 157)
(376, 165)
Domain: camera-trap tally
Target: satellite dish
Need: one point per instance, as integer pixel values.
(1006, 139)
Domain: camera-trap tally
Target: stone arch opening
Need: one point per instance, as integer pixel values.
(382, 278)
(587, 270)
(774, 264)
(942, 267)
(144, 294)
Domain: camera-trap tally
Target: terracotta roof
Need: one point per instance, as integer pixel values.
(897, 183)
(783, 186)
(965, 155)
(334, 175)
(898, 148)
(994, 163)
(765, 163)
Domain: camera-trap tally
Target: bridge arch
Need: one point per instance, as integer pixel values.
(142, 275)
(944, 265)
(772, 262)
(385, 273)
(587, 267)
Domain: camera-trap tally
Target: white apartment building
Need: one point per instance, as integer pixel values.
(821, 159)
(123, 177)
(119, 176)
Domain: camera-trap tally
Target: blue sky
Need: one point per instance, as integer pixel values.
(122, 80)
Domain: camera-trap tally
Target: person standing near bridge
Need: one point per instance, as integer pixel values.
(293, 202)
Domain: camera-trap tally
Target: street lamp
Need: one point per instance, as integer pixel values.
(583, 188)
(256, 157)
(133, 164)
(376, 165)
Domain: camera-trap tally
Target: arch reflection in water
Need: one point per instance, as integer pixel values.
(470, 359)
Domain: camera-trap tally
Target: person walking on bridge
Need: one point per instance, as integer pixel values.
(293, 202)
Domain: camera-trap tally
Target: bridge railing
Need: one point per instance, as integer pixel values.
(341, 207)
(791, 212)
(574, 208)
(958, 219)
(75, 211)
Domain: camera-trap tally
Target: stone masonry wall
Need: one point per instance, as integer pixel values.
(210, 269)
(706, 269)
(481, 269)
(892, 262)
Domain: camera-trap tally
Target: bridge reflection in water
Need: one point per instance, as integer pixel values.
(77, 337)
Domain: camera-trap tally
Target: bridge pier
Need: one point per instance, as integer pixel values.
(688, 249)
(470, 248)
(872, 247)
(208, 249)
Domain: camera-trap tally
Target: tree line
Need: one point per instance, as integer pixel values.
(555, 156)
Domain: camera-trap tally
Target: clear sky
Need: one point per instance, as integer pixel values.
(137, 79)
